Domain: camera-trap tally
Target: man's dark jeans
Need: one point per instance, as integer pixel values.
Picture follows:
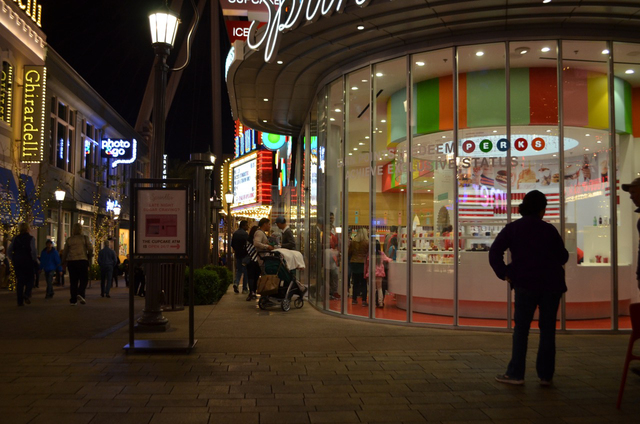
(241, 270)
(24, 282)
(78, 278)
(526, 303)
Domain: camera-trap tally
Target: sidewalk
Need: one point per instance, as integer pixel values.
(63, 364)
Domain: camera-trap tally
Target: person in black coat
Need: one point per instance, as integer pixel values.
(536, 273)
(22, 252)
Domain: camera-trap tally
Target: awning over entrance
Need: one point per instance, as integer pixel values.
(276, 97)
(8, 196)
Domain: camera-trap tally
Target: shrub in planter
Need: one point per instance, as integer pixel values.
(226, 276)
(207, 287)
(94, 272)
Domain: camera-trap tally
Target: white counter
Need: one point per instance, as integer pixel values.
(482, 295)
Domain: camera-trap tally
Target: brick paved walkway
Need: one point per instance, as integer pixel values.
(62, 364)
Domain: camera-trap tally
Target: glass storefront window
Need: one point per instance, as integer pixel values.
(358, 186)
(433, 189)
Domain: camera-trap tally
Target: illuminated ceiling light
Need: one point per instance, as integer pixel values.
(332, 119)
(495, 131)
(264, 120)
(429, 190)
(366, 138)
(354, 87)
(420, 63)
(546, 1)
(337, 110)
(383, 120)
(279, 62)
(587, 135)
(545, 49)
(365, 80)
(554, 155)
(379, 74)
(350, 154)
(599, 141)
(444, 136)
(361, 144)
(548, 130)
(360, 27)
(355, 148)
(629, 71)
(480, 53)
(266, 100)
(522, 50)
(605, 51)
(401, 189)
(586, 149)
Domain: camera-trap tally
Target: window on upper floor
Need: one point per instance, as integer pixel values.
(6, 92)
(62, 135)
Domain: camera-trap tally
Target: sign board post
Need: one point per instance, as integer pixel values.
(162, 216)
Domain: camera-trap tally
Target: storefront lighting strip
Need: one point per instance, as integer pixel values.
(613, 190)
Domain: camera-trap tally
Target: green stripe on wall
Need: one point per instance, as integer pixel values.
(398, 124)
(486, 98)
(520, 109)
(622, 90)
(428, 106)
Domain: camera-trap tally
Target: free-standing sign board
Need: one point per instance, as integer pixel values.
(161, 222)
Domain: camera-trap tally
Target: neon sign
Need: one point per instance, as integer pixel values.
(246, 143)
(124, 151)
(294, 18)
(32, 9)
(6, 92)
(273, 141)
(35, 83)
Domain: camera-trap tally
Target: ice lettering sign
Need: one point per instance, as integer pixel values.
(245, 183)
(161, 222)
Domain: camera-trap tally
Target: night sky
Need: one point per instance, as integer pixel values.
(109, 44)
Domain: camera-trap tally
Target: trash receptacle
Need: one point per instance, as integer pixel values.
(172, 286)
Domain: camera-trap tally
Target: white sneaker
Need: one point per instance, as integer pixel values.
(74, 304)
(81, 299)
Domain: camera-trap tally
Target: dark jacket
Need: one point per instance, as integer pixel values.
(107, 257)
(22, 251)
(537, 255)
(638, 268)
(288, 241)
(238, 241)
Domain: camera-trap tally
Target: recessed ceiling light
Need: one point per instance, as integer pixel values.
(360, 27)
(586, 149)
(480, 53)
(361, 144)
(554, 155)
(332, 119)
(264, 120)
(522, 50)
(379, 74)
(429, 190)
(354, 87)
(365, 80)
(587, 135)
(495, 131)
(599, 141)
(279, 62)
(605, 51)
(420, 63)
(546, 1)
(350, 154)
(401, 189)
(545, 49)
(548, 130)
(444, 136)
(383, 121)
(366, 138)
(337, 110)
(355, 148)
(266, 100)
(629, 71)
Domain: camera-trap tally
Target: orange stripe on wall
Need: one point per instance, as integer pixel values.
(462, 101)
(446, 103)
(635, 111)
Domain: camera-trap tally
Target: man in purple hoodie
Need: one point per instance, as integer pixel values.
(536, 273)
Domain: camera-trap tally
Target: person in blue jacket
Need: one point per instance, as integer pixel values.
(536, 273)
(50, 263)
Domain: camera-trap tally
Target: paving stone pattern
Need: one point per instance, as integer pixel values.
(303, 366)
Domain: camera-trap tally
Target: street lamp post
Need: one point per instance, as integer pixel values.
(116, 236)
(60, 195)
(164, 26)
(228, 197)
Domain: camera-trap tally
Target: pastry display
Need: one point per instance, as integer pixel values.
(545, 176)
(501, 177)
(527, 176)
(555, 178)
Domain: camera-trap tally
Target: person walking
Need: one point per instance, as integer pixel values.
(287, 240)
(50, 263)
(536, 274)
(238, 243)
(75, 257)
(116, 270)
(125, 270)
(107, 262)
(22, 253)
(253, 267)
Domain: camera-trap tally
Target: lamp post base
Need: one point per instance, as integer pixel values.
(152, 323)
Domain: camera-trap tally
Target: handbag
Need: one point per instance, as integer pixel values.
(246, 260)
(268, 284)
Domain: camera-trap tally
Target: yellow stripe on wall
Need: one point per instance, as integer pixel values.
(598, 98)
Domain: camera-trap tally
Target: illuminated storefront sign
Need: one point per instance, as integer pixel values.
(112, 204)
(274, 141)
(304, 11)
(246, 5)
(246, 143)
(35, 83)
(245, 183)
(32, 9)
(6, 92)
(124, 151)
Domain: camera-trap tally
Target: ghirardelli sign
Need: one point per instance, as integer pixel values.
(33, 107)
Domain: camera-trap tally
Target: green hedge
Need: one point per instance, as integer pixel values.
(210, 283)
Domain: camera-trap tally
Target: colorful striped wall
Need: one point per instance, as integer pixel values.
(534, 101)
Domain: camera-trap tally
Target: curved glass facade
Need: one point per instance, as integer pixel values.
(416, 163)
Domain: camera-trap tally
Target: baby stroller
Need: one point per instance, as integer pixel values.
(273, 263)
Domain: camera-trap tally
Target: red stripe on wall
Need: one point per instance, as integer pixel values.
(635, 111)
(543, 96)
(576, 98)
(446, 103)
(462, 101)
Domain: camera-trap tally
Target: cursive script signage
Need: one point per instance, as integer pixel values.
(33, 107)
(285, 19)
(6, 92)
(32, 9)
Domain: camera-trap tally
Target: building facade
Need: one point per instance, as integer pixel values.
(421, 127)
